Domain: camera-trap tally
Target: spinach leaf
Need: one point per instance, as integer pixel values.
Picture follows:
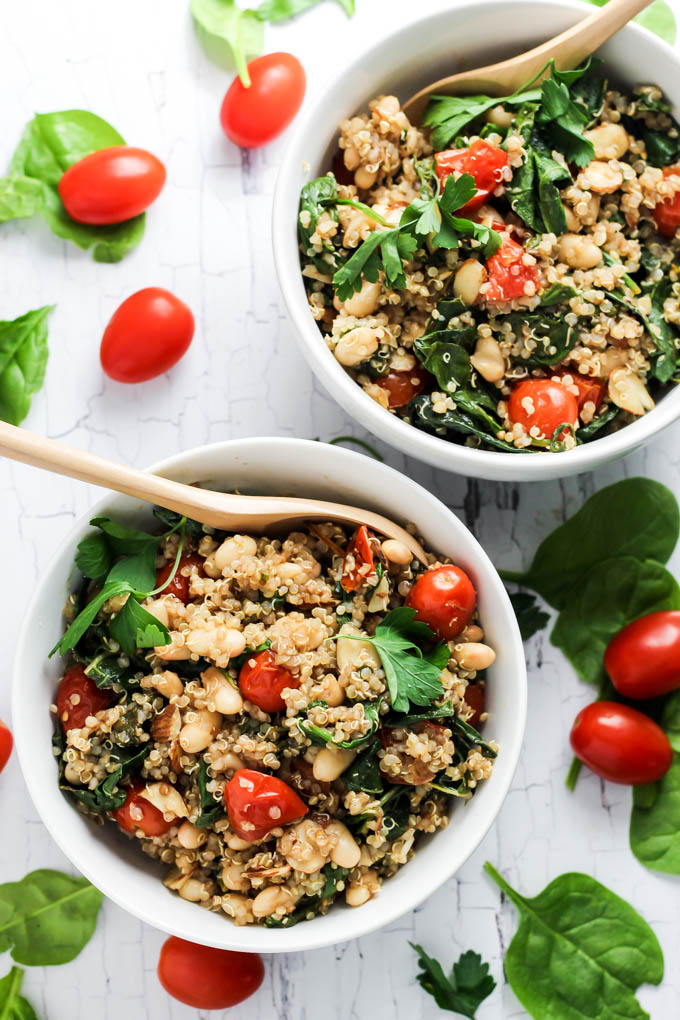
(107, 796)
(658, 18)
(364, 775)
(14, 1006)
(20, 197)
(464, 990)
(468, 737)
(532, 192)
(105, 671)
(23, 360)
(47, 917)
(174, 522)
(396, 808)
(665, 364)
(134, 627)
(588, 432)
(553, 335)
(229, 35)
(412, 718)
(460, 420)
(211, 807)
(530, 618)
(282, 10)
(580, 950)
(321, 736)
(318, 196)
(556, 294)
(310, 905)
(655, 818)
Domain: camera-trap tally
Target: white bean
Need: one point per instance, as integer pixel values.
(473, 655)
(166, 799)
(488, 359)
(628, 391)
(190, 836)
(364, 178)
(354, 654)
(158, 608)
(468, 279)
(232, 549)
(331, 763)
(610, 141)
(194, 891)
(396, 552)
(601, 177)
(356, 346)
(196, 736)
(276, 898)
(346, 852)
(226, 698)
(579, 252)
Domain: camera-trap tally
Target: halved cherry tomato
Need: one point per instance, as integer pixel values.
(667, 214)
(152, 821)
(179, 586)
(256, 115)
(111, 185)
(404, 386)
(508, 274)
(543, 403)
(146, 336)
(359, 563)
(261, 681)
(483, 161)
(643, 659)
(590, 390)
(208, 978)
(620, 744)
(78, 697)
(6, 744)
(475, 698)
(444, 598)
(257, 803)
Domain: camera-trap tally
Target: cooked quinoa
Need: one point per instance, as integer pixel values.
(579, 287)
(151, 737)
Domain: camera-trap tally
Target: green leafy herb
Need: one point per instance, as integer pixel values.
(532, 192)
(211, 808)
(364, 775)
(530, 618)
(94, 558)
(463, 991)
(580, 950)
(655, 818)
(318, 196)
(14, 1006)
(135, 627)
(23, 360)
(658, 18)
(321, 736)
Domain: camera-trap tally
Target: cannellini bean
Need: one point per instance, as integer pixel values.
(364, 302)
(166, 798)
(610, 141)
(579, 252)
(216, 637)
(238, 907)
(166, 683)
(274, 899)
(365, 178)
(232, 877)
(488, 359)
(628, 391)
(358, 227)
(196, 736)
(356, 346)
(194, 891)
(354, 654)
(175, 651)
(232, 549)
(473, 655)
(499, 116)
(362, 888)
(573, 222)
(332, 691)
(300, 846)
(600, 177)
(227, 698)
(489, 216)
(235, 842)
(472, 633)
(331, 763)
(468, 279)
(396, 552)
(346, 852)
(190, 836)
(158, 608)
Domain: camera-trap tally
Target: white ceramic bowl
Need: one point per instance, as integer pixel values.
(113, 862)
(466, 35)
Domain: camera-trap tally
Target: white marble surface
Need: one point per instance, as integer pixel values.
(138, 64)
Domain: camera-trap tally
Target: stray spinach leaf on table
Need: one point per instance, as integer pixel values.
(655, 818)
(13, 1006)
(463, 991)
(530, 618)
(23, 360)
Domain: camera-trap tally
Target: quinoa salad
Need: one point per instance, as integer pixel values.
(277, 721)
(504, 275)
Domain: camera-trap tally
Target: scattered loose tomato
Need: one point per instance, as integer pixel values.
(667, 214)
(6, 744)
(483, 161)
(261, 681)
(509, 274)
(445, 599)
(544, 404)
(257, 803)
(402, 387)
(590, 389)
(111, 185)
(152, 821)
(179, 586)
(643, 659)
(254, 116)
(359, 563)
(208, 978)
(78, 697)
(475, 698)
(620, 744)
(146, 336)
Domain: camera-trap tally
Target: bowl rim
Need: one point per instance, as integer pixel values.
(391, 429)
(257, 938)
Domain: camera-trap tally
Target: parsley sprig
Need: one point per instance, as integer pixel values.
(468, 984)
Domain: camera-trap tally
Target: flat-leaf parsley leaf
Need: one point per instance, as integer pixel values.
(466, 987)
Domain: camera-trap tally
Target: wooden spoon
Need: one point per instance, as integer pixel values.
(568, 50)
(223, 510)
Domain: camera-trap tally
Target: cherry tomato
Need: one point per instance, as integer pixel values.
(254, 116)
(358, 564)
(208, 978)
(257, 803)
(445, 599)
(404, 386)
(111, 185)
(543, 403)
(509, 277)
(152, 821)
(179, 586)
(643, 659)
(474, 697)
(590, 390)
(620, 744)
(483, 161)
(667, 214)
(78, 697)
(146, 336)
(261, 681)
(6, 744)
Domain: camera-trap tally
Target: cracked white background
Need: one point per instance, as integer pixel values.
(137, 63)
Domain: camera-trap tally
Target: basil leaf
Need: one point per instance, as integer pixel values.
(468, 984)
(229, 35)
(14, 1006)
(23, 360)
(47, 917)
(530, 618)
(134, 627)
(94, 559)
(655, 818)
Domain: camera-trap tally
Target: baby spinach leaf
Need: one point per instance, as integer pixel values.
(363, 775)
(658, 18)
(14, 1006)
(530, 618)
(553, 335)
(469, 737)
(588, 432)
(47, 917)
(211, 807)
(20, 197)
(665, 363)
(282, 10)
(134, 627)
(318, 196)
(94, 559)
(464, 990)
(580, 950)
(230, 35)
(655, 818)
(460, 420)
(105, 670)
(23, 360)
(105, 797)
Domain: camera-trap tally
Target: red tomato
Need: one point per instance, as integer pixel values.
(254, 116)
(111, 185)
(483, 161)
(6, 744)
(179, 586)
(474, 697)
(508, 275)
(445, 599)
(543, 403)
(208, 978)
(257, 803)
(667, 214)
(78, 697)
(152, 821)
(643, 659)
(620, 744)
(146, 336)
(590, 390)
(261, 681)
(358, 564)
(404, 386)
